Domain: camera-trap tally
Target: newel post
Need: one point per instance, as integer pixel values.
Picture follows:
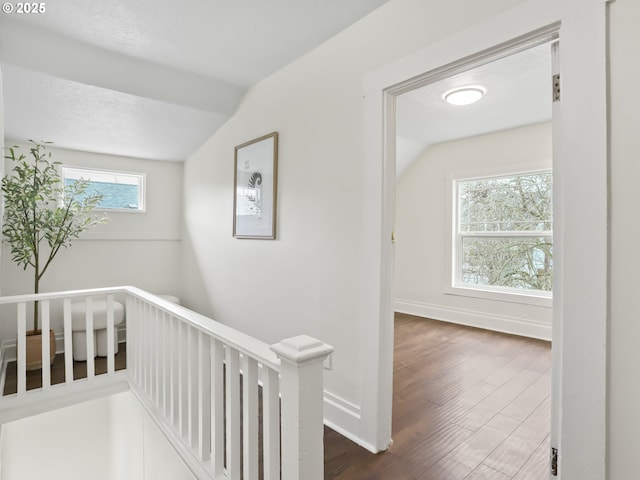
(302, 406)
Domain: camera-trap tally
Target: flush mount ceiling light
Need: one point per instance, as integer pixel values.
(464, 95)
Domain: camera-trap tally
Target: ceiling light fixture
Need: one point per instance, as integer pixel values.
(464, 95)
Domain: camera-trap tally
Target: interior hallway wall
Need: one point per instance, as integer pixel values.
(311, 279)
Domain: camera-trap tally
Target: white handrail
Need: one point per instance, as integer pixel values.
(32, 297)
(242, 342)
(187, 370)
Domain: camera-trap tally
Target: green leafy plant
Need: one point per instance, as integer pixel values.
(41, 214)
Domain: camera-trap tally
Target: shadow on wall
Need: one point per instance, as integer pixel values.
(194, 291)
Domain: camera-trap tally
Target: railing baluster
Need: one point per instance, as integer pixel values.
(151, 345)
(91, 366)
(233, 413)
(111, 361)
(159, 338)
(146, 359)
(22, 348)
(165, 358)
(192, 386)
(155, 352)
(250, 418)
(140, 341)
(157, 326)
(183, 375)
(150, 334)
(46, 345)
(204, 398)
(168, 359)
(217, 406)
(131, 335)
(68, 341)
(175, 355)
(133, 342)
(270, 424)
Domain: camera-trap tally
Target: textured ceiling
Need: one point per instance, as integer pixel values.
(84, 117)
(238, 41)
(150, 79)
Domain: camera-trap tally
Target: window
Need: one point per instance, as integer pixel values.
(120, 190)
(503, 234)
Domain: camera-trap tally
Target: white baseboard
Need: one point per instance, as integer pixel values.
(344, 417)
(488, 321)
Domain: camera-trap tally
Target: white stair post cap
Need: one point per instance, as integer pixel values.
(301, 349)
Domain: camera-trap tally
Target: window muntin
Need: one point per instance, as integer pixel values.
(503, 234)
(120, 190)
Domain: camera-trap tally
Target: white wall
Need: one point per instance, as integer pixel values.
(112, 438)
(139, 249)
(624, 329)
(423, 230)
(310, 280)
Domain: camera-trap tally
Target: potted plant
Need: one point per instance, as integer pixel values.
(41, 216)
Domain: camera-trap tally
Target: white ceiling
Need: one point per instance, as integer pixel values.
(518, 93)
(150, 78)
(83, 117)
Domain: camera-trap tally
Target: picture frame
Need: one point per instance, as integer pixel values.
(255, 188)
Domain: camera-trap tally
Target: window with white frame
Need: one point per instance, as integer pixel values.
(503, 234)
(119, 190)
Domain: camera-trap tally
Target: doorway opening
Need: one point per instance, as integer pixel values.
(579, 383)
(473, 230)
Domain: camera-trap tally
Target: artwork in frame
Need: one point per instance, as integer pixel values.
(255, 188)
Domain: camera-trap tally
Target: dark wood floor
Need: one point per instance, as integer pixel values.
(34, 377)
(468, 404)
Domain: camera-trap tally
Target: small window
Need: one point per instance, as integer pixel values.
(120, 190)
(503, 235)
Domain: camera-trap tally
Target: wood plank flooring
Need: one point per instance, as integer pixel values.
(468, 404)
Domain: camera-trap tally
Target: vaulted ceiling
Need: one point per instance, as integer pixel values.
(150, 78)
(154, 79)
(518, 93)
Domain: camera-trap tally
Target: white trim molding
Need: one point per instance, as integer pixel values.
(473, 318)
(132, 236)
(344, 417)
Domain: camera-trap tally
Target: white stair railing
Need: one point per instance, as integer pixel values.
(55, 313)
(222, 398)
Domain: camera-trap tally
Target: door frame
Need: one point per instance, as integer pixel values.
(580, 305)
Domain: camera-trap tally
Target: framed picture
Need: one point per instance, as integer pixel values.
(255, 187)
